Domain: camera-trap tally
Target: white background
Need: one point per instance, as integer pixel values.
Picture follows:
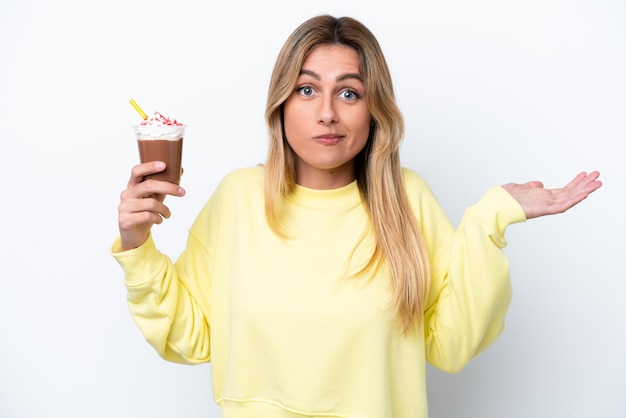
(492, 91)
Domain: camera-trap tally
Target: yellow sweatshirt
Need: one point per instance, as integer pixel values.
(289, 332)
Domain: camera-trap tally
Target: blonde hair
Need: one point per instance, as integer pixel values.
(399, 242)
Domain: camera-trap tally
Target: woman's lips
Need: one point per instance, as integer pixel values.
(328, 139)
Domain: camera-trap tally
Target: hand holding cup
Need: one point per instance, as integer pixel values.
(159, 139)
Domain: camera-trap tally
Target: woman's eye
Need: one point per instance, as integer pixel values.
(306, 90)
(349, 95)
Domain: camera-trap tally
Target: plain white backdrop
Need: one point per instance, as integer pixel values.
(492, 91)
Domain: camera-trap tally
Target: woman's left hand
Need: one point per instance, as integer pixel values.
(538, 201)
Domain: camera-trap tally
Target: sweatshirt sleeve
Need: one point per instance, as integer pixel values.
(470, 289)
(164, 299)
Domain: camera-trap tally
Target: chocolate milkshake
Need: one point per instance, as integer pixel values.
(160, 138)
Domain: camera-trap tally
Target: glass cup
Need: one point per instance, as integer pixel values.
(162, 143)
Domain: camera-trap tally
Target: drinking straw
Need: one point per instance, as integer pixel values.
(138, 109)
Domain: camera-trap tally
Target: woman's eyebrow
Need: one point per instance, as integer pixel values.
(350, 76)
(310, 73)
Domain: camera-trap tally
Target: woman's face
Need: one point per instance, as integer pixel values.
(327, 120)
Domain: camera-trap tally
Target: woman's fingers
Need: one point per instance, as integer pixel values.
(151, 189)
(139, 171)
(141, 204)
(151, 205)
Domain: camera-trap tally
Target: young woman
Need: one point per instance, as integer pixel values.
(322, 282)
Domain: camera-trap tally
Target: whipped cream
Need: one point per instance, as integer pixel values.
(160, 119)
(160, 126)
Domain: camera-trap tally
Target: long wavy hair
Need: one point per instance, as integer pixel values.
(399, 242)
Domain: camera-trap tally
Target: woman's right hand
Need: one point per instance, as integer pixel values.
(141, 204)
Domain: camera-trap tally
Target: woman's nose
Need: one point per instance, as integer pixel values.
(327, 113)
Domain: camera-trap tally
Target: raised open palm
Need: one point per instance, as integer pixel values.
(538, 201)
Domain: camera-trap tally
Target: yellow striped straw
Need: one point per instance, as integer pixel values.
(138, 109)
